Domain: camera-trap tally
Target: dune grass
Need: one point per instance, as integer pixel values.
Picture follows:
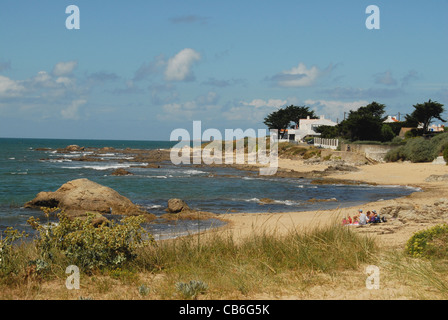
(264, 261)
(314, 263)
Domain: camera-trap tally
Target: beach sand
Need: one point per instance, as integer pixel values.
(392, 234)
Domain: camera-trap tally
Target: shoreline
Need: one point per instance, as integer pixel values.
(393, 233)
(351, 170)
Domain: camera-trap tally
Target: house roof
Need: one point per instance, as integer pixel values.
(390, 119)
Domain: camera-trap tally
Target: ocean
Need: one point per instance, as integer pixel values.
(26, 171)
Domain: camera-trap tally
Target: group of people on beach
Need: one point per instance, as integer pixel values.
(362, 218)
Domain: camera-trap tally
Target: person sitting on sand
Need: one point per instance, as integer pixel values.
(377, 218)
(355, 220)
(362, 218)
(368, 216)
(350, 220)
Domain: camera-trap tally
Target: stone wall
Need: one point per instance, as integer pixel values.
(371, 151)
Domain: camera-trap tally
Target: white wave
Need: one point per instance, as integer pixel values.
(284, 202)
(301, 186)
(192, 171)
(100, 167)
(287, 202)
(60, 160)
(14, 173)
(12, 158)
(156, 206)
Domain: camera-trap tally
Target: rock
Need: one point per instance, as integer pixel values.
(121, 172)
(410, 215)
(73, 148)
(188, 215)
(394, 211)
(266, 200)
(177, 205)
(439, 160)
(83, 195)
(437, 178)
(342, 168)
(441, 202)
(150, 165)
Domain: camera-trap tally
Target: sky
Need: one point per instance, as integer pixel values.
(139, 69)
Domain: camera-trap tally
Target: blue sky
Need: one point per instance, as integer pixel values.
(140, 69)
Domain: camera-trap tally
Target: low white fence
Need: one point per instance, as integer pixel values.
(326, 143)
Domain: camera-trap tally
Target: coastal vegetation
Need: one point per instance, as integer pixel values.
(420, 149)
(431, 243)
(206, 266)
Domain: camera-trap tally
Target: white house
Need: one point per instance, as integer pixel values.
(390, 119)
(307, 128)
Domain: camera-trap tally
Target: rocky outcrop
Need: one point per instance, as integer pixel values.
(71, 148)
(177, 205)
(81, 196)
(179, 210)
(437, 178)
(266, 201)
(409, 212)
(121, 172)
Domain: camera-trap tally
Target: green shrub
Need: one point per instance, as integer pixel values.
(7, 252)
(397, 141)
(419, 150)
(395, 155)
(191, 289)
(445, 155)
(439, 143)
(430, 243)
(387, 134)
(88, 246)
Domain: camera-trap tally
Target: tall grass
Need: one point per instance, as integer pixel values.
(422, 276)
(262, 260)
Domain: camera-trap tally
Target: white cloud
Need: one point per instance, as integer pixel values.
(272, 103)
(179, 67)
(66, 81)
(72, 111)
(64, 68)
(333, 109)
(385, 78)
(202, 108)
(299, 76)
(10, 88)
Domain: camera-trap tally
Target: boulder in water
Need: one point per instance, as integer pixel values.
(121, 172)
(177, 205)
(83, 195)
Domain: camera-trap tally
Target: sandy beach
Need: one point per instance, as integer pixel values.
(394, 233)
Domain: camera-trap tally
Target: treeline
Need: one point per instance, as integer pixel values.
(367, 123)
